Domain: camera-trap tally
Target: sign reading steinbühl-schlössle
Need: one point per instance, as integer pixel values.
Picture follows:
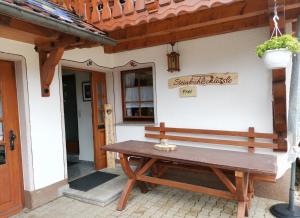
(204, 79)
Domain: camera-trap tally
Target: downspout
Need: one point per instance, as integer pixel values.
(51, 23)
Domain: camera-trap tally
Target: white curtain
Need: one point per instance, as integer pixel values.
(132, 94)
(146, 93)
(129, 79)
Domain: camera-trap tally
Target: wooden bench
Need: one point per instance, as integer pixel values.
(246, 166)
(246, 139)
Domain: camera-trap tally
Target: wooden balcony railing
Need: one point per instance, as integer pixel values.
(114, 14)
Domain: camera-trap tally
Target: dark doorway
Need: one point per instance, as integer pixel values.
(78, 122)
(71, 117)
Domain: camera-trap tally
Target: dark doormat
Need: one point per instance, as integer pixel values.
(91, 181)
(70, 163)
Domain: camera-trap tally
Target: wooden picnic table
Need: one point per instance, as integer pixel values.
(244, 165)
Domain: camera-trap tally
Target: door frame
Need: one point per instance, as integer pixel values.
(78, 70)
(18, 139)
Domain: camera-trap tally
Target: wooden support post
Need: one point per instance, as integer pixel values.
(132, 178)
(130, 183)
(48, 62)
(241, 180)
(251, 138)
(162, 129)
(250, 190)
(224, 180)
(278, 78)
(142, 185)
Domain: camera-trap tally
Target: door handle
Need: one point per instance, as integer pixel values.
(12, 138)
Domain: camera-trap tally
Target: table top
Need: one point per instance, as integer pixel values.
(223, 159)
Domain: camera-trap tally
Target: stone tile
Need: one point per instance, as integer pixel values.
(160, 202)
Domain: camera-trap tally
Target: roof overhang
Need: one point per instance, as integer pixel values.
(219, 18)
(39, 19)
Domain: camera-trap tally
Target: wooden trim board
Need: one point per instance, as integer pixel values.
(34, 199)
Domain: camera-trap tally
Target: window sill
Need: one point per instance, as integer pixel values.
(135, 123)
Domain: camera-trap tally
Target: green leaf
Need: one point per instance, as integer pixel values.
(284, 41)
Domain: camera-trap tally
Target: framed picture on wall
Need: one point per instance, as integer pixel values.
(86, 91)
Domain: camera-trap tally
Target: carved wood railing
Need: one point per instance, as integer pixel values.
(113, 14)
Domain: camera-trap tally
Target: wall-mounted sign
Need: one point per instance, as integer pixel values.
(188, 91)
(204, 79)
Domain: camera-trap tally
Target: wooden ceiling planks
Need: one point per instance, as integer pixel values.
(226, 18)
(188, 34)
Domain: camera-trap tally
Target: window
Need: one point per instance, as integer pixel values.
(137, 95)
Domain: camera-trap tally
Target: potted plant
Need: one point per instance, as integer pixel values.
(277, 51)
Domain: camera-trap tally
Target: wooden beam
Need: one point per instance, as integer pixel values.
(48, 62)
(50, 53)
(63, 41)
(224, 179)
(175, 36)
(213, 141)
(28, 27)
(147, 166)
(188, 187)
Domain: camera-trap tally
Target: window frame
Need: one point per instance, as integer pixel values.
(137, 118)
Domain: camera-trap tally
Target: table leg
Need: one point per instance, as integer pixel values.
(241, 180)
(241, 210)
(130, 183)
(250, 190)
(143, 168)
(142, 185)
(125, 194)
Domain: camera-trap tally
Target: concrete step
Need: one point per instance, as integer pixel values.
(103, 194)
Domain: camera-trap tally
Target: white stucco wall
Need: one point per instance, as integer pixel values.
(233, 107)
(95, 54)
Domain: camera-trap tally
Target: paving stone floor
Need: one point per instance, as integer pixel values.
(160, 202)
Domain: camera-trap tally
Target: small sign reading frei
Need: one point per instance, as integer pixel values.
(204, 79)
(188, 91)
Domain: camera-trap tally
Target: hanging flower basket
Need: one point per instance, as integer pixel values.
(277, 51)
(277, 58)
